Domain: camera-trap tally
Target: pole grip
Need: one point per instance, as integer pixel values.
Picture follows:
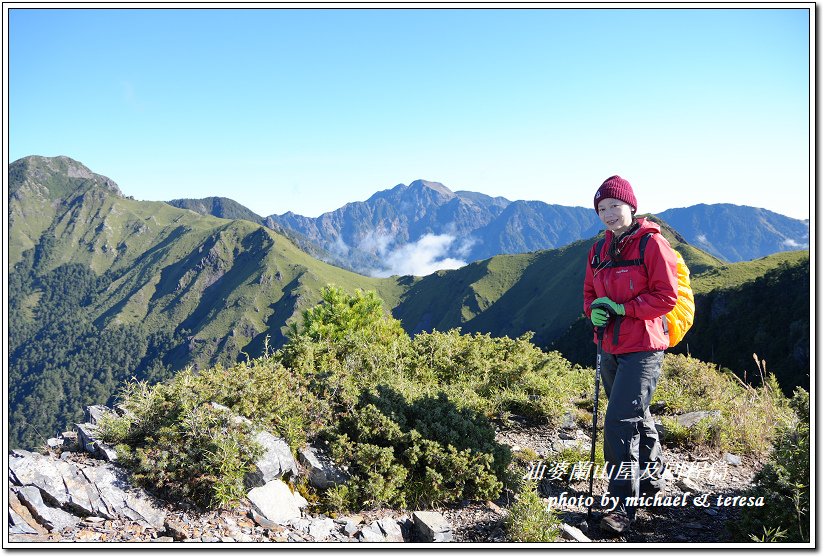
(608, 308)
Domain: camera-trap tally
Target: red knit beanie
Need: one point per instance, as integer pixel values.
(616, 187)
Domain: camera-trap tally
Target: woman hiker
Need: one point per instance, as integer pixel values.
(638, 294)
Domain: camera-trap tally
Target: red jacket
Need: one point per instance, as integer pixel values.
(647, 291)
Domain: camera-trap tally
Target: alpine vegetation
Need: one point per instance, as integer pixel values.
(409, 422)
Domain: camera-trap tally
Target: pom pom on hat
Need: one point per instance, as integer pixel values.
(616, 187)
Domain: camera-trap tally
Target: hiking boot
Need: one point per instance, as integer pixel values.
(615, 523)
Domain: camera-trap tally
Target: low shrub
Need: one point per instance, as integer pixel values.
(784, 482)
(416, 452)
(177, 442)
(748, 415)
(529, 519)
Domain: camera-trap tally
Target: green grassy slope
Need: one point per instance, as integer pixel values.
(229, 283)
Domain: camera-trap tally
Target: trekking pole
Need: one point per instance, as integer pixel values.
(600, 333)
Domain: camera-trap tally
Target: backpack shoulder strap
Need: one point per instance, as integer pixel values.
(596, 257)
(599, 246)
(643, 245)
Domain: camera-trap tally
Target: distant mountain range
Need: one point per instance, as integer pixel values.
(103, 288)
(738, 233)
(424, 226)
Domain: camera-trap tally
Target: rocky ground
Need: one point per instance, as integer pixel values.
(478, 522)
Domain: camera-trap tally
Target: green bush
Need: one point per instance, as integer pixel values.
(497, 376)
(416, 452)
(410, 419)
(529, 519)
(784, 482)
(175, 441)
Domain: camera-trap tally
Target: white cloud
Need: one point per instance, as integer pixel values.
(790, 243)
(339, 247)
(702, 239)
(375, 242)
(424, 257)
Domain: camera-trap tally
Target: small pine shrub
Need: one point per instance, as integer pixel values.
(529, 519)
(416, 452)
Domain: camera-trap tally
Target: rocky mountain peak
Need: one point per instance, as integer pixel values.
(61, 175)
(421, 186)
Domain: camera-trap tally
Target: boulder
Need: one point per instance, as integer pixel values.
(20, 519)
(371, 534)
(42, 472)
(275, 502)
(572, 533)
(689, 419)
(95, 413)
(277, 461)
(391, 530)
(87, 439)
(117, 498)
(52, 518)
(431, 527)
(322, 472)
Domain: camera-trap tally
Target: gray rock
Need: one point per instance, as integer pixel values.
(688, 485)
(572, 533)
(26, 468)
(95, 413)
(689, 419)
(263, 521)
(69, 440)
(322, 472)
(350, 528)
(60, 482)
(87, 439)
(391, 529)
(321, 529)
(431, 526)
(732, 460)
(277, 461)
(372, 533)
(117, 498)
(54, 442)
(300, 524)
(53, 518)
(275, 502)
(19, 525)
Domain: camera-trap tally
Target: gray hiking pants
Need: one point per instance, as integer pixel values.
(631, 443)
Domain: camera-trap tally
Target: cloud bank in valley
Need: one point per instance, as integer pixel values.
(432, 252)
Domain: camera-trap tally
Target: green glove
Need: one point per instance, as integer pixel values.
(617, 308)
(599, 317)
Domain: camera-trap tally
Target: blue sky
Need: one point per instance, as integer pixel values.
(306, 110)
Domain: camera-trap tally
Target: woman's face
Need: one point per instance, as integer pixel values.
(615, 214)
